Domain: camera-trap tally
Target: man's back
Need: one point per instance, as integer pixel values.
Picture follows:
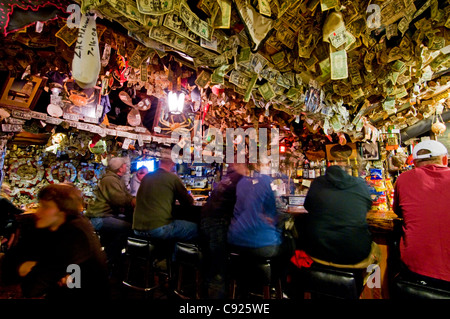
(255, 217)
(421, 199)
(155, 198)
(335, 228)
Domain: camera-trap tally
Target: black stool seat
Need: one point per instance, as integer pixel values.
(330, 282)
(141, 255)
(248, 269)
(408, 287)
(188, 255)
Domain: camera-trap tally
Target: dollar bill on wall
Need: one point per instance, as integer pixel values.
(250, 87)
(328, 4)
(203, 79)
(239, 79)
(339, 67)
(257, 26)
(221, 16)
(173, 22)
(194, 23)
(264, 7)
(266, 91)
(155, 7)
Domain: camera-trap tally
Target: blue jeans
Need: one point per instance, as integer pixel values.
(113, 235)
(177, 229)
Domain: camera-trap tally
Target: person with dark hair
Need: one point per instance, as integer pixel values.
(421, 199)
(214, 222)
(111, 210)
(8, 218)
(254, 227)
(335, 230)
(60, 257)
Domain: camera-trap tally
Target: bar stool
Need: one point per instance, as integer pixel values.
(140, 257)
(322, 281)
(245, 270)
(188, 255)
(408, 287)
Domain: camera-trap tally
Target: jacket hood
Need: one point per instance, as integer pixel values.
(109, 172)
(339, 178)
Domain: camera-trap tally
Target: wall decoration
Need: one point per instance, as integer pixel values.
(338, 152)
(369, 151)
(22, 92)
(60, 172)
(25, 172)
(165, 123)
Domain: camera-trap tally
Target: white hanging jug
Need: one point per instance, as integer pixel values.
(86, 59)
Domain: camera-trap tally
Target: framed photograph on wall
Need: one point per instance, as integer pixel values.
(369, 151)
(22, 93)
(338, 152)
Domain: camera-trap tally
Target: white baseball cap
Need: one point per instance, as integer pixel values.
(435, 148)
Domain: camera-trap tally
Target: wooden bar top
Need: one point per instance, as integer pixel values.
(378, 220)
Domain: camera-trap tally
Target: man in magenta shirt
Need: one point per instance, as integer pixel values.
(421, 199)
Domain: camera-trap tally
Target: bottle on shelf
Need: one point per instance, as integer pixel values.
(312, 172)
(317, 169)
(306, 169)
(299, 171)
(323, 168)
(355, 171)
(348, 168)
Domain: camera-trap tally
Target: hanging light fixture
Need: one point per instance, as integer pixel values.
(176, 102)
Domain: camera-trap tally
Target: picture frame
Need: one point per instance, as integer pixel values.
(369, 151)
(22, 93)
(340, 153)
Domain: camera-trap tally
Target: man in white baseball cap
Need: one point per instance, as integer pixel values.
(430, 150)
(421, 199)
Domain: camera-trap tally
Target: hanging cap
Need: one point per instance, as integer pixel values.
(434, 148)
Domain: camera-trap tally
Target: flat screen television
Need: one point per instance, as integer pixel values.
(151, 164)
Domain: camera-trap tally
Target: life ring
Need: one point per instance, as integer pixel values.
(64, 168)
(24, 180)
(92, 178)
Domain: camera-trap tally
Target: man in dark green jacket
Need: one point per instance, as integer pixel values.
(154, 202)
(111, 210)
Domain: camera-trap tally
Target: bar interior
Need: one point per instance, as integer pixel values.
(257, 147)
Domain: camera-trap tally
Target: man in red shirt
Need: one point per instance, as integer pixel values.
(421, 199)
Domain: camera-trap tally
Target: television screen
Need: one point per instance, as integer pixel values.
(150, 164)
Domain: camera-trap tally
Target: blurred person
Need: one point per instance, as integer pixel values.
(60, 257)
(421, 199)
(155, 201)
(335, 230)
(112, 208)
(254, 227)
(214, 222)
(136, 180)
(8, 220)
